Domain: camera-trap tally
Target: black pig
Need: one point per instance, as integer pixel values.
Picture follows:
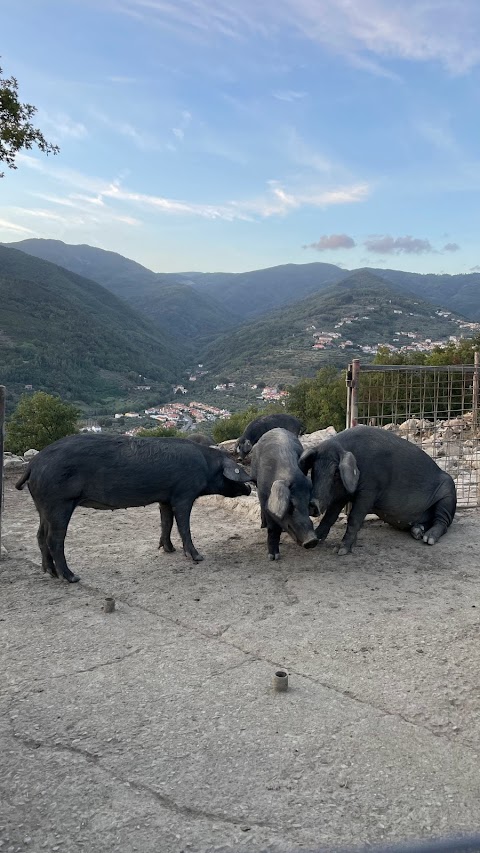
(255, 429)
(116, 472)
(380, 473)
(284, 491)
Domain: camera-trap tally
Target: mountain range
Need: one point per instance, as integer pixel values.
(62, 332)
(243, 296)
(94, 325)
(350, 318)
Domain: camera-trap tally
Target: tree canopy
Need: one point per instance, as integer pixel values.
(38, 420)
(16, 130)
(320, 402)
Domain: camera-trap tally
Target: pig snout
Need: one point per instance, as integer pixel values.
(311, 542)
(303, 535)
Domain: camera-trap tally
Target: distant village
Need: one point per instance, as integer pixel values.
(414, 342)
(186, 416)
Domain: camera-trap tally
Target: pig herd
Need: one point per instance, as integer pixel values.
(371, 470)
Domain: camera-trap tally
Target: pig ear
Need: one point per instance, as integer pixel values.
(307, 459)
(349, 471)
(233, 471)
(279, 499)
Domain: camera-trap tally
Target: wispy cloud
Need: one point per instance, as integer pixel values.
(185, 119)
(303, 154)
(361, 30)
(277, 200)
(439, 135)
(121, 80)
(289, 95)
(476, 268)
(451, 247)
(142, 140)
(15, 228)
(386, 245)
(60, 126)
(332, 241)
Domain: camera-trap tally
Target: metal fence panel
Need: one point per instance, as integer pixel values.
(434, 406)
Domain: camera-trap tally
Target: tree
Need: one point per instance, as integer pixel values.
(16, 130)
(158, 432)
(39, 420)
(320, 402)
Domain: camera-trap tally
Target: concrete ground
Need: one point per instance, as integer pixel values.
(156, 728)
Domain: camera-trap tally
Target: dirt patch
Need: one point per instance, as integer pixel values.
(156, 727)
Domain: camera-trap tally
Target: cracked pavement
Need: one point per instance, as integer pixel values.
(155, 728)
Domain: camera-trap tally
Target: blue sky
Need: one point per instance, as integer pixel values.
(239, 134)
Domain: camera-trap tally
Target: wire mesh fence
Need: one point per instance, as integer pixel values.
(434, 406)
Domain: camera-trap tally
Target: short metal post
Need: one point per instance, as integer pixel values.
(2, 438)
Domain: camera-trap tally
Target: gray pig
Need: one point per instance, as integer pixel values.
(258, 427)
(380, 473)
(284, 491)
(116, 472)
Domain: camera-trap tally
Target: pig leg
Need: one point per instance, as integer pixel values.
(166, 519)
(362, 505)
(57, 530)
(274, 532)
(263, 519)
(328, 520)
(47, 561)
(443, 513)
(182, 511)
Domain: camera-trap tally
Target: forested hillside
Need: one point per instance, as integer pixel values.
(63, 333)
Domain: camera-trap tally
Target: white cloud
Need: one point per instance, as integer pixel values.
(301, 153)
(444, 31)
(289, 95)
(59, 126)
(123, 81)
(142, 140)
(276, 201)
(438, 134)
(6, 225)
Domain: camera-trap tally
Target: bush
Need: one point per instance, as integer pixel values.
(159, 432)
(38, 420)
(320, 402)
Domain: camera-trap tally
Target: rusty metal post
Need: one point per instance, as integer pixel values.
(348, 383)
(354, 401)
(2, 434)
(476, 366)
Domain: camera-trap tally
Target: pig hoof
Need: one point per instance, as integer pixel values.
(343, 550)
(429, 540)
(274, 556)
(73, 578)
(197, 558)
(417, 531)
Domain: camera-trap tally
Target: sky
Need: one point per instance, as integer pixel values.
(240, 134)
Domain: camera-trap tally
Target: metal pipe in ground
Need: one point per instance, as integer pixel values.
(280, 680)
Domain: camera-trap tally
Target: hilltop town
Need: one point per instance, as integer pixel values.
(415, 341)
